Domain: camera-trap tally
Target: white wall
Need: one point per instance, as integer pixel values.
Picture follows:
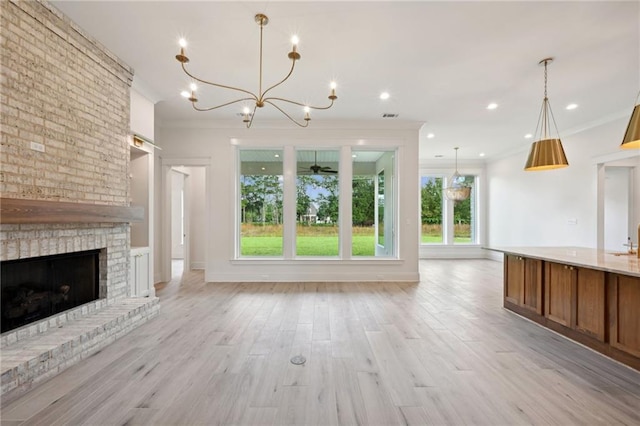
(550, 208)
(197, 216)
(142, 115)
(217, 145)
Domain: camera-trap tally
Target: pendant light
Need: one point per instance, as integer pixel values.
(631, 138)
(547, 152)
(457, 190)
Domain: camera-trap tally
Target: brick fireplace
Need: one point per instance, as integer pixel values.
(64, 140)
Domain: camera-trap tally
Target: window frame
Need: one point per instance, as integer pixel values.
(289, 164)
(477, 222)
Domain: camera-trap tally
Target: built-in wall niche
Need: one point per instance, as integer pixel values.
(38, 287)
(139, 195)
(141, 167)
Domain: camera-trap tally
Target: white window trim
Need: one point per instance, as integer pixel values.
(289, 163)
(447, 249)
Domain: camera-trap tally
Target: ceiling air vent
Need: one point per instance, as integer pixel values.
(390, 115)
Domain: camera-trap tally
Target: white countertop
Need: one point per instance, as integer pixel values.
(602, 260)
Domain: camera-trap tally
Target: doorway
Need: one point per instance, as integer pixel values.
(618, 201)
(184, 225)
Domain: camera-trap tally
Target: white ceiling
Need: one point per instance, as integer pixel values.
(442, 62)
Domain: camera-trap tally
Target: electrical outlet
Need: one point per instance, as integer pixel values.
(37, 146)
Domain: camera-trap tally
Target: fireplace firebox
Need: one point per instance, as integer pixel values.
(36, 288)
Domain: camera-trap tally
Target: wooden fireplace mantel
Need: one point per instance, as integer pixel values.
(21, 211)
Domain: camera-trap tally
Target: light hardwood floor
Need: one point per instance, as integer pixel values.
(442, 351)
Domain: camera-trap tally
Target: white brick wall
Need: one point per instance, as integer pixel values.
(62, 89)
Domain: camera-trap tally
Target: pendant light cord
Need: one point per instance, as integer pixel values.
(546, 111)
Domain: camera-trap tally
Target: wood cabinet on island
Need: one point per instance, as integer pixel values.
(589, 295)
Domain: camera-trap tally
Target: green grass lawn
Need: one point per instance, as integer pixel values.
(432, 234)
(363, 245)
(322, 240)
(310, 241)
(437, 239)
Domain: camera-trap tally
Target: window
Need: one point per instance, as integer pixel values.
(317, 203)
(261, 196)
(464, 215)
(444, 221)
(372, 203)
(431, 209)
(290, 203)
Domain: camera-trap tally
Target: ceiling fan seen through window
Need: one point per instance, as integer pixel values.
(316, 169)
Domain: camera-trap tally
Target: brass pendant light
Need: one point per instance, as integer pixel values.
(457, 190)
(547, 152)
(631, 138)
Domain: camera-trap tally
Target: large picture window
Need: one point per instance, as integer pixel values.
(444, 221)
(372, 203)
(261, 196)
(464, 215)
(290, 203)
(317, 203)
(431, 209)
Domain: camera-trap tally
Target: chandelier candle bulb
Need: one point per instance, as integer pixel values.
(333, 86)
(181, 57)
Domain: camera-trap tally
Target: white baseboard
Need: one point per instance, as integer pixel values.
(197, 265)
(453, 252)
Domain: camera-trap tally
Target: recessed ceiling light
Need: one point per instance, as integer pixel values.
(430, 136)
(482, 154)
(492, 105)
(277, 155)
(528, 136)
(353, 155)
(263, 168)
(572, 106)
(184, 94)
(439, 155)
(384, 95)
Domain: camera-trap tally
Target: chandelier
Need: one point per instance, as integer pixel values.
(259, 99)
(547, 152)
(457, 190)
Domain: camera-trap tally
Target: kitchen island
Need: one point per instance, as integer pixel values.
(589, 295)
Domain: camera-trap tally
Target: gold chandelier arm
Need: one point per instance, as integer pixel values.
(220, 106)
(297, 103)
(293, 64)
(252, 115)
(285, 114)
(216, 84)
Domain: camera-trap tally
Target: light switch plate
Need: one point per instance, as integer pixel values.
(37, 146)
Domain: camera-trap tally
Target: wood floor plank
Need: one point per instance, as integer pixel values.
(441, 351)
(378, 406)
(392, 372)
(350, 408)
(321, 407)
